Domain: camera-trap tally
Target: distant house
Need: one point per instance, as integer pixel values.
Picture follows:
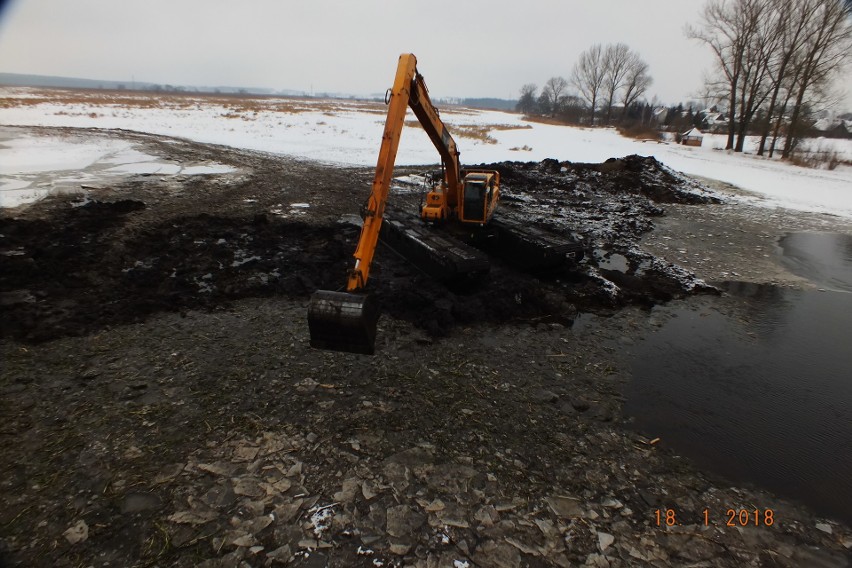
(842, 130)
(692, 137)
(713, 121)
(833, 128)
(659, 115)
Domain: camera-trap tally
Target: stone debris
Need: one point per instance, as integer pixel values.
(425, 512)
(824, 527)
(77, 533)
(605, 540)
(564, 507)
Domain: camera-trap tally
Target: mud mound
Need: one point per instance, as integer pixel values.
(80, 273)
(633, 174)
(85, 267)
(85, 271)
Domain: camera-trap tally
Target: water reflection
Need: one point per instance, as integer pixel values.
(823, 258)
(764, 395)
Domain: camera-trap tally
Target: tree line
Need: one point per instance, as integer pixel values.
(604, 78)
(774, 61)
(774, 64)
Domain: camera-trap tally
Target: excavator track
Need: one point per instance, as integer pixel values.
(531, 249)
(437, 252)
(433, 250)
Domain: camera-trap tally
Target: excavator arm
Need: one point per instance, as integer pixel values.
(400, 95)
(409, 90)
(346, 321)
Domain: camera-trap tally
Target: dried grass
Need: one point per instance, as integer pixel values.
(816, 159)
(236, 105)
(474, 131)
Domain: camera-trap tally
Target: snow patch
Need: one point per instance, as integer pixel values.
(351, 134)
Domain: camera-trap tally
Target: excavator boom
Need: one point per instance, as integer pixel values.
(346, 321)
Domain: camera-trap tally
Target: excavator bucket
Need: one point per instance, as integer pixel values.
(342, 321)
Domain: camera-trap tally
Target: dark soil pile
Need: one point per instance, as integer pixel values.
(85, 269)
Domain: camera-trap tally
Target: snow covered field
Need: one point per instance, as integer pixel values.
(349, 132)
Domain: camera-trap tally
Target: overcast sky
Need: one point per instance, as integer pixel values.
(465, 48)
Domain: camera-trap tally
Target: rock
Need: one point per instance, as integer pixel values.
(649, 498)
(230, 560)
(824, 527)
(547, 528)
(597, 560)
(813, 557)
(434, 506)
(412, 457)
(348, 491)
(498, 555)
(402, 521)
(133, 452)
(280, 555)
(168, 473)
(245, 453)
(287, 512)
(243, 539)
(136, 502)
(218, 468)
(564, 507)
(544, 396)
(399, 548)
(368, 490)
(198, 517)
(248, 487)
(605, 540)
(76, 533)
(315, 560)
(257, 524)
(612, 503)
(523, 546)
(308, 544)
(487, 515)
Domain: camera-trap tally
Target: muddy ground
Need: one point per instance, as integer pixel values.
(161, 406)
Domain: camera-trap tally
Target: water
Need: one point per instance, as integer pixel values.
(763, 394)
(824, 258)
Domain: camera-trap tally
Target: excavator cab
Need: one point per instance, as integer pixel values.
(479, 196)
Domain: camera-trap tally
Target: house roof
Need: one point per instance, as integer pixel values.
(692, 132)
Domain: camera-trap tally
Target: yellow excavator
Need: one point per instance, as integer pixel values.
(346, 321)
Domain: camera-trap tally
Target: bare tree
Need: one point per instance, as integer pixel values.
(785, 52)
(554, 92)
(824, 51)
(726, 27)
(616, 61)
(588, 76)
(761, 46)
(791, 24)
(527, 103)
(636, 82)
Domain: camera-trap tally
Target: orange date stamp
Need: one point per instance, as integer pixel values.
(731, 518)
